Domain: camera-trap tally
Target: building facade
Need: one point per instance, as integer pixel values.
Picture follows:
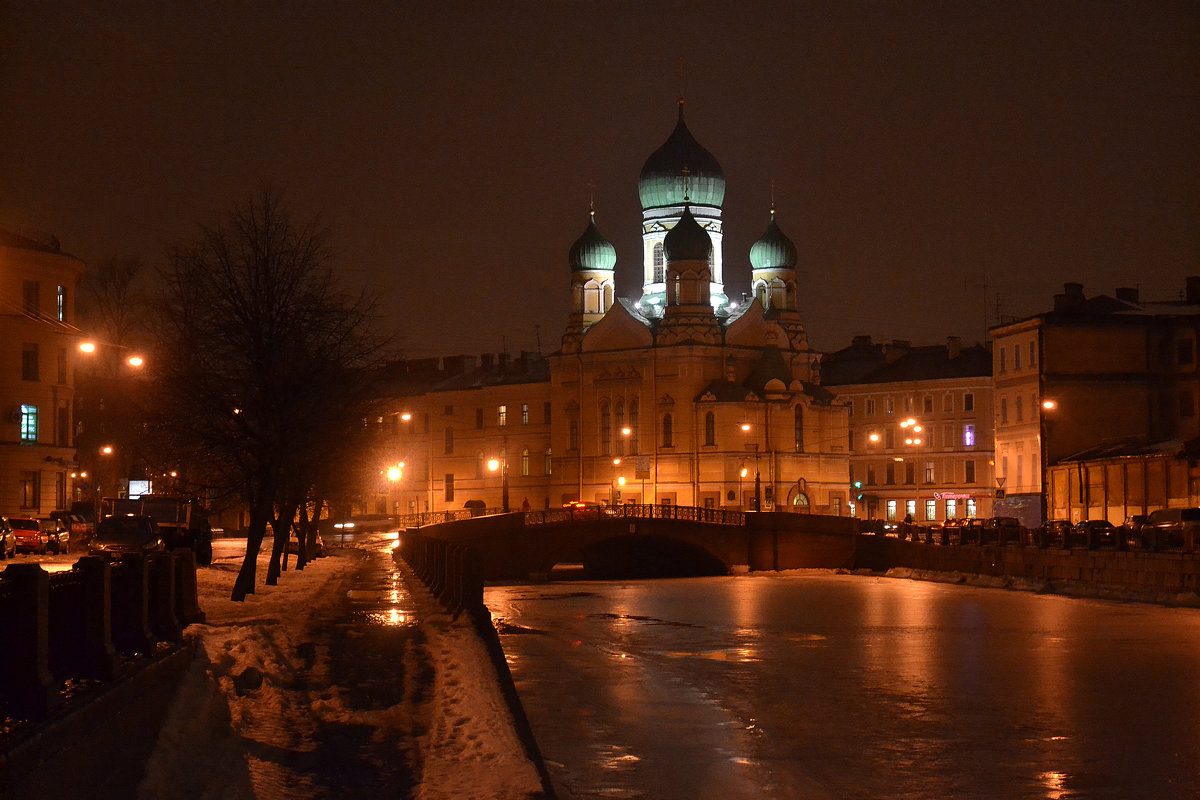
(37, 367)
(677, 397)
(920, 428)
(1101, 377)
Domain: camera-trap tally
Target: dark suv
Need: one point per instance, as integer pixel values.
(125, 534)
(1171, 528)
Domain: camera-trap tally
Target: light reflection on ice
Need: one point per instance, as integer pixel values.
(392, 618)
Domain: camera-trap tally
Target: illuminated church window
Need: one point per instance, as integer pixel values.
(658, 262)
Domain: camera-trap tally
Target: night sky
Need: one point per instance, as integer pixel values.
(920, 151)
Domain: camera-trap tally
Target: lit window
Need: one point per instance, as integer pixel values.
(658, 262)
(549, 462)
(951, 508)
(524, 413)
(929, 472)
(891, 510)
(910, 509)
(61, 304)
(525, 461)
(968, 435)
(502, 415)
(971, 508)
(29, 423)
(930, 510)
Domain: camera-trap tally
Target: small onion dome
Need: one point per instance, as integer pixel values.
(681, 169)
(592, 251)
(773, 250)
(687, 241)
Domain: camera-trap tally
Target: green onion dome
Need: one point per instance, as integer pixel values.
(592, 251)
(687, 241)
(773, 250)
(681, 169)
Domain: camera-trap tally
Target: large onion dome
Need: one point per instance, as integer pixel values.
(681, 168)
(687, 241)
(773, 250)
(592, 251)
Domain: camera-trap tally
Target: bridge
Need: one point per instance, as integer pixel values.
(634, 541)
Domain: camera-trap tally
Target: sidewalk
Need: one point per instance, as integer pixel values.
(338, 682)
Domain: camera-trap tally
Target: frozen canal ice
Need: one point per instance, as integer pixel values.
(839, 686)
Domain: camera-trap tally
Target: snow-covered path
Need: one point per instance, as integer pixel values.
(342, 681)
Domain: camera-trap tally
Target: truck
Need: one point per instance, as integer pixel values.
(182, 521)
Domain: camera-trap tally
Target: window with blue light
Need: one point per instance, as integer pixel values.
(29, 423)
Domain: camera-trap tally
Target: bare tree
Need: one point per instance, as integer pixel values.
(263, 361)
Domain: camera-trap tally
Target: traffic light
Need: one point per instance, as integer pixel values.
(857, 486)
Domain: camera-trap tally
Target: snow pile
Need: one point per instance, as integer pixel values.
(259, 714)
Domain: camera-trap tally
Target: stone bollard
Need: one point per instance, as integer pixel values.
(161, 597)
(130, 606)
(27, 689)
(187, 594)
(100, 659)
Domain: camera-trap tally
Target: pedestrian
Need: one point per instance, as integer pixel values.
(525, 506)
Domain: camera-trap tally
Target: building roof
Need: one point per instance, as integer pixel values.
(681, 167)
(687, 241)
(865, 361)
(454, 373)
(773, 250)
(592, 251)
(15, 240)
(1135, 448)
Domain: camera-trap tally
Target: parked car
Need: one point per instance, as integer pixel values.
(1169, 528)
(1055, 532)
(57, 535)
(125, 534)
(28, 535)
(1132, 529)
(8, 541)
(1097, 533)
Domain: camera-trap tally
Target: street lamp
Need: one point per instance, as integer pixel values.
(757, 475)
(495, 464)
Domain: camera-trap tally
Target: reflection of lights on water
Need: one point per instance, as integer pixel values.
(1055, 784)
(393, 618)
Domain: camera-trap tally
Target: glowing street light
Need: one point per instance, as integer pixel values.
(1049, 405)
(494, 464)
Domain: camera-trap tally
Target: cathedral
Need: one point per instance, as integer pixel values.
(679, 397)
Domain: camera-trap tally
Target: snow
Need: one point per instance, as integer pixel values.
(258, 708)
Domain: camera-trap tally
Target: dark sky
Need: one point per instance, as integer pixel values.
(920, 151)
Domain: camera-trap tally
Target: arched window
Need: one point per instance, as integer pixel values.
(799, 429)
(710, 429)
(608, 297)
(605, 429)
(619, 413)
(800, 501)
(668, 434)
(525, 461)
(633, 425)
(760, 294)
(549, 462)
(658, 262)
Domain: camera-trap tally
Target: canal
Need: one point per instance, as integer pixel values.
(819, 685)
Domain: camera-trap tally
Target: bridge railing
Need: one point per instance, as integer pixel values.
(715, 516)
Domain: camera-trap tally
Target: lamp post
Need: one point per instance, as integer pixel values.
(757, 476)
(501, 464)
(394, 475)
(1049, 406)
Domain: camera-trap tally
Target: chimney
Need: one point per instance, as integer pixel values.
(953, 347)
(1193, 290)
(1071, 299)
(1129, 294)
(485, 360)
(896, 350)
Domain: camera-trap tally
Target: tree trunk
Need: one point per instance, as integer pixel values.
(260, 513)
(282, 526)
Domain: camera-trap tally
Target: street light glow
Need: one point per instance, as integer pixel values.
(493, 464)
(134, 361)
(406, 416)
(746, 427)
(87, 347)
(1049, 405)
(106, 450)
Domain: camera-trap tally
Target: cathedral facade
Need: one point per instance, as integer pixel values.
(679, 397)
